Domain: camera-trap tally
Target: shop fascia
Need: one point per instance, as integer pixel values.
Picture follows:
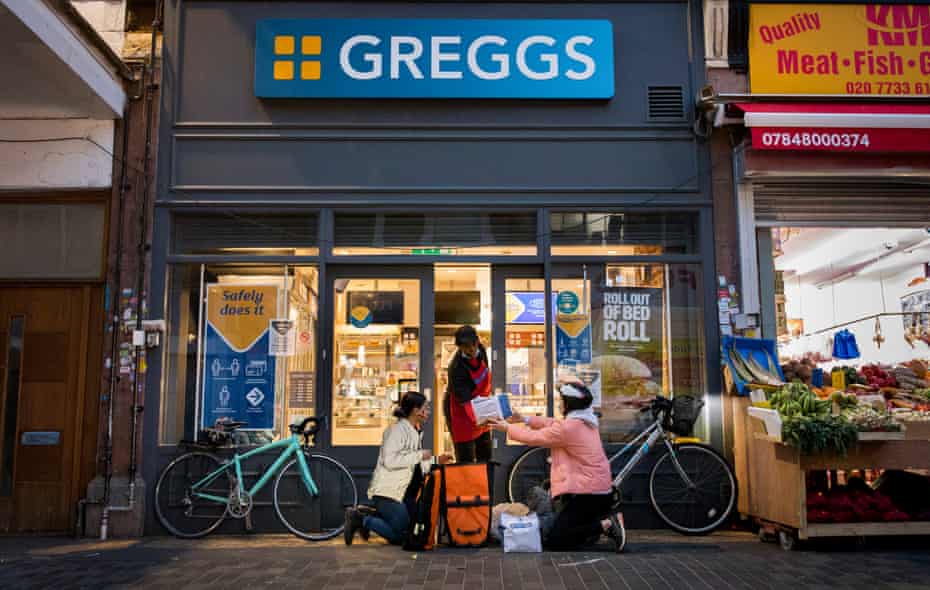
(434, 58)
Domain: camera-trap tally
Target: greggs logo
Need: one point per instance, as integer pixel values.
(386, 58)
(897, 26)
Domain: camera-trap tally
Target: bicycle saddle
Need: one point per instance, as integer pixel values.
(302, 427)
(229, 425)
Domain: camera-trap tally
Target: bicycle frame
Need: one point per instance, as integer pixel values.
(291, 445)
(651, 434)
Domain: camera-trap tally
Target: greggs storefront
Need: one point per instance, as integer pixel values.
(338, 194)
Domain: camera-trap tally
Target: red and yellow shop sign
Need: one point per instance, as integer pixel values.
(876, 49)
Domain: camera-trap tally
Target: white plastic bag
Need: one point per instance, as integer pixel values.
(521, 533)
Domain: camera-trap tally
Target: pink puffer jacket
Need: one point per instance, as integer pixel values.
(579, 465)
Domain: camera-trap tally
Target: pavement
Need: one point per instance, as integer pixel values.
(653, 561)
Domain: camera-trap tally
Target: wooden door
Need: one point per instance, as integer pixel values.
(44, 349)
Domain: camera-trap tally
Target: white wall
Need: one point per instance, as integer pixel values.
(850, 300)
(33, 154)
(108, 17)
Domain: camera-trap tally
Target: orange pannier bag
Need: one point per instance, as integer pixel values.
(467, 503)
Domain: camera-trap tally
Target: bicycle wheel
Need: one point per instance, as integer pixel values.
(701, 507)
(314, 517)
(531, 469)
(184, 514)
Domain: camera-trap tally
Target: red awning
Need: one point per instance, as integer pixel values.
(838, 127)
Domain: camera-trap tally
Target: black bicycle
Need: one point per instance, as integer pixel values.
(692, 487)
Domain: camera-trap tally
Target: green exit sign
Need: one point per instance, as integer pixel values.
(433, 251)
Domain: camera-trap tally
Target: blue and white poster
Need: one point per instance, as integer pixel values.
(239, 372)
(527, 307)
(573, 339)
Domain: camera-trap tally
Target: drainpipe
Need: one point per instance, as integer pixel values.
(136, 409)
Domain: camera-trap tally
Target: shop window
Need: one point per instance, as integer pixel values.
(623, 234)
(245, 232)
(219, 363)
(837, 286)
(377, 355)
(52, 240)
(631, 332)
(440, 234)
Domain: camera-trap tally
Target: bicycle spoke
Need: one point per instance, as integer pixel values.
(703, 505)
(180, 507)
(314, 516)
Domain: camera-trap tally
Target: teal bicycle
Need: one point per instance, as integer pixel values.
(197, 491)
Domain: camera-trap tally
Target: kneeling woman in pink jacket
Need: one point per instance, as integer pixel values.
(579, 474)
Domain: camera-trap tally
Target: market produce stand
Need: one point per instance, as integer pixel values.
(773, 477)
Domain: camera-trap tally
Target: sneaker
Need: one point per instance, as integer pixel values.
(363, 511)
(350, 525)
(617, 532)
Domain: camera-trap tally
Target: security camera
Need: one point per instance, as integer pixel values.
(890, 245)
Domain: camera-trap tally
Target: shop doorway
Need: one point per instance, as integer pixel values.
(381, 348)
(47, 421)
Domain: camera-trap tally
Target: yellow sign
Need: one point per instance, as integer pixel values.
(869, 49)
(241, 313)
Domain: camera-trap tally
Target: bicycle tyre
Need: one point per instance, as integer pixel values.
(704, 508)
(531, 469)
(309, 517)
(181, 506)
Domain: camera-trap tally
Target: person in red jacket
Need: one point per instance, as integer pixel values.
(469, 377)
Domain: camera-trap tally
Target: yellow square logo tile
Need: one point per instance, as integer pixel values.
(310, 70)
(284, 45)
(311, 44)
(283, 70)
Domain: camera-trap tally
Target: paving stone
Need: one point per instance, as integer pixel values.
(655, 561)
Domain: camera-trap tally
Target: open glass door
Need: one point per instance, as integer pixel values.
(462, 296)
(379, 350)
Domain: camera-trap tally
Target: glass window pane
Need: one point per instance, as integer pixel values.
(52, 240)
(448, 234)
(647, 339)
(623, 234)
(226, 358)
(377, 356)
(525, 339)
(245, 233)
(462, 296)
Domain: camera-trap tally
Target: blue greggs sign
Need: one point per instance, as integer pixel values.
(434, 58)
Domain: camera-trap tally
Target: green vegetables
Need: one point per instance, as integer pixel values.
(796, 399)
(819, 434)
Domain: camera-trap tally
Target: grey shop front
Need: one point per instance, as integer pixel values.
(379, 218)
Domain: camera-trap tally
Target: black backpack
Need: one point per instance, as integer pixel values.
(424, 517)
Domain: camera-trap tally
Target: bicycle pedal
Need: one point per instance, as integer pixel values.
(248, 523)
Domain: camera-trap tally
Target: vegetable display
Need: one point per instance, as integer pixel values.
(868, 419)
(796, 399)
(819, 434)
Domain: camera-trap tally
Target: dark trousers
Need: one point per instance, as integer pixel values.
(578, 521)
(390, 520)
(474, 451)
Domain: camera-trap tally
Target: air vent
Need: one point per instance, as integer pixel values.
(666, 103)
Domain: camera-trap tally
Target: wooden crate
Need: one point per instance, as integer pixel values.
(917, 430)
(773, 477)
